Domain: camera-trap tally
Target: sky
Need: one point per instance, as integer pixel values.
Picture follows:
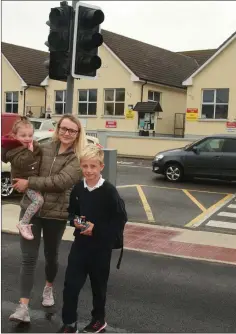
(172, 25)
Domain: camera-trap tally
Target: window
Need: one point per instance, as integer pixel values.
(153, 96)
(11, 102)
(215, 103)
(87, 102)
(114, 104)
(211, 145)
(60, 102)
(229, 145)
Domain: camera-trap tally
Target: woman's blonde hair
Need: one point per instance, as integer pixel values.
(92, 151)
(80, 140)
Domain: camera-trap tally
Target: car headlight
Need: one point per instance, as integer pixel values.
(159, 157)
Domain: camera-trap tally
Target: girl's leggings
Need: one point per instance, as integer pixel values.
(37, 202)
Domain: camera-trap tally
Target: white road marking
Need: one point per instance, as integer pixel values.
(232, 206)
(222, 224)
(227, 214)
(121, 165)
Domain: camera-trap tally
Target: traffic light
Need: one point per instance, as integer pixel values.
(60, 23)
(87, 39)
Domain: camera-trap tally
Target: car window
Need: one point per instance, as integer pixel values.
(36, 125)
(229, 145)
(211, 145)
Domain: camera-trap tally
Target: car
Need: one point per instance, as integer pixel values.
(41, 124)
(209, 157)
(41, 137)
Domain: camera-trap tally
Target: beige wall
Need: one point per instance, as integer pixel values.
(220, 73)
(114, 75)
(144, 147)
(35, 98)
(11, 82)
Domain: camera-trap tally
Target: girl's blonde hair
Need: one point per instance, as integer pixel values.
(92, 151)
(80, 140)
(23, 121)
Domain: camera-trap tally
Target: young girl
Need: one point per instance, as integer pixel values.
(24, 154)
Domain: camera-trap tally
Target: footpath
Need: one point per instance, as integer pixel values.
(169, 241)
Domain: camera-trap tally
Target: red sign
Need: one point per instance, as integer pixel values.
(231, 126)
(111, 124)
(192, 110)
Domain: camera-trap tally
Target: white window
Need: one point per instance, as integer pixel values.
(12, 102)
(87, 104)
(153, 96)
(60, 101)
(215, 103)
(114, 102)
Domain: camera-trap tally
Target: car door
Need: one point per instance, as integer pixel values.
(228, 160)
(203, 159)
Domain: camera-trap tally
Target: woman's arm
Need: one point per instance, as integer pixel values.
(65, 179)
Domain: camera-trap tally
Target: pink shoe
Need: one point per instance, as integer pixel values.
(25, 231)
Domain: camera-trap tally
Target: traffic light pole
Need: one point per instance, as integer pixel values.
(70, 79)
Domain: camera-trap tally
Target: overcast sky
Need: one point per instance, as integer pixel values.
(173, 25)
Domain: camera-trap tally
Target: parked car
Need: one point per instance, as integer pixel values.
(41, 124)
(210, 157)
(41, 137)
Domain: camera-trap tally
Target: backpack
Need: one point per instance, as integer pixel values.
(119, 239)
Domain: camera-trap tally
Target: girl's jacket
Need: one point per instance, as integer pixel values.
(24, 162)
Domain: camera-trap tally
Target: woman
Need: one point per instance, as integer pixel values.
(59, 171)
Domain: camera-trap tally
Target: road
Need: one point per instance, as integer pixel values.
(150, 199)
(148, 294)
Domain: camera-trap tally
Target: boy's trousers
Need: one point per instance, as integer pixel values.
(82, 262)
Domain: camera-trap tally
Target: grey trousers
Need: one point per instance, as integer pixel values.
(53, 231)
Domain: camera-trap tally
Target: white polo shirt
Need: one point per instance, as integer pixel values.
(99, 184)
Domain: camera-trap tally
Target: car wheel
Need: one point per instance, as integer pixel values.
(6, 189)
(173, 172)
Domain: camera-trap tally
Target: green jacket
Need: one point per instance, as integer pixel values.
(58, 173)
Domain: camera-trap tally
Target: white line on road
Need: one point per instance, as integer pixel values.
(227, 214)
(218, 223)
(134, 166)
(232, 206)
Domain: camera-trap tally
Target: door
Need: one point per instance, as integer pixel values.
(204, 158)
(228, 160)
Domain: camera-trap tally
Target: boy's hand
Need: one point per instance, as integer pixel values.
(88, 231)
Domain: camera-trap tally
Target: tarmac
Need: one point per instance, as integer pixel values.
(155, 239)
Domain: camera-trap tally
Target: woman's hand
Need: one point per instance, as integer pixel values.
(20, 185)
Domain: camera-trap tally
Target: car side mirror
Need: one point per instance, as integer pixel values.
(195, 149)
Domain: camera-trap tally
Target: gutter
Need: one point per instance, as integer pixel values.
(142, 90)
(45, 99)
(24, 111)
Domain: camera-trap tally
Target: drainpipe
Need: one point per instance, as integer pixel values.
(45, 100)
(142, 90)
(24, 111)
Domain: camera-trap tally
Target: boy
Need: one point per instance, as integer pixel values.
(98, 201)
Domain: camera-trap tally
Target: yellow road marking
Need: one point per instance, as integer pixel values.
(194, 200)
(127, 186)
(145, 204)
(209, 210)
(196, 190)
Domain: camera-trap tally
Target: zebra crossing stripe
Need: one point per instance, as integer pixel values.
(227, 214)
(232, 206)
(222, 224)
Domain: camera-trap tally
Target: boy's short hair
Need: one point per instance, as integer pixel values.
(92, 151)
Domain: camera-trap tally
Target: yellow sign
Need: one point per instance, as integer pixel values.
(192, 114)
(129, 114)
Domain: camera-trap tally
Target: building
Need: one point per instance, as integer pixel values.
(22, 74)
(211, 93)
(132, 72)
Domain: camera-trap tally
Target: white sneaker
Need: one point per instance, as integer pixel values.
(48, 299)
(21, 314)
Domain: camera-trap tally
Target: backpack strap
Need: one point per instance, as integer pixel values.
(120, 258)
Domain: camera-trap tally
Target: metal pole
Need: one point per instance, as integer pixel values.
(70, 79)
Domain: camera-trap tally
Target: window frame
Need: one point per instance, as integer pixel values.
(63, 102)
(214, 103)
(12, 101)
(114, 102)
(153, 92)
(87, 101)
